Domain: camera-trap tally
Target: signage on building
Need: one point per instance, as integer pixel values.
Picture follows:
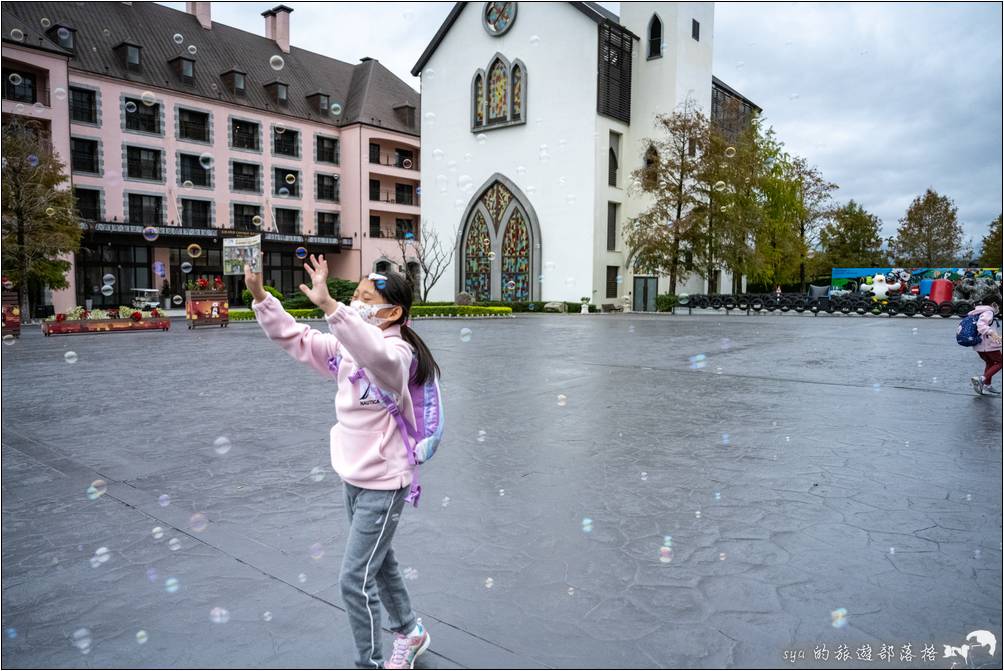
(104, 227)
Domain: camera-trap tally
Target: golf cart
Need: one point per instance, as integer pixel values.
(145, 299)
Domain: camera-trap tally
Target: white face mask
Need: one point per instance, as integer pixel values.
(368, 311)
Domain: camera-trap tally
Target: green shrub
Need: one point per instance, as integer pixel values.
(576, 307)
(665, 302)
(459, 310)
(247, 298)
(340, 290)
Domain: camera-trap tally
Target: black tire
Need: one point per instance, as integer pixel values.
(845, 307)
(784, 304)
(876, 308)
(799, 304)
(703, 302)
(756, 304)
(769, 303)
(729, 302)
(861, 306)
(715, 302)
(928, 308)
(962, 308)
(892, 308)
(909, 308)
(828, 305)
(946, 309)
(742, 302)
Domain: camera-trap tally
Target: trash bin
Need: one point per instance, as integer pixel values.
(925, 287)
(941, 291)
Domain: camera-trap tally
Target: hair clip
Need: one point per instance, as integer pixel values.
(377, 276)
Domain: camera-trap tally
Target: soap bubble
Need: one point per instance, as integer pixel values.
(481, 435)
(63, 33)
(71, 357)
(174, 544)
(17, 34)
(562, 400)
(107, 290)
(157, 533)
(489, 583)
(194, 250)
(150, 233)
(290, 178)
(317, 474)
(302, 578)
(491, 256)
(571, 591)
(430, 118)
(720, 186)
(839, 618)
(33, 161)
(644, 476)
(60, 93)
(82, 638)
(164, 500)
(97, 489)
(206, 160)
(587, 524)
(730, 152)
(101, 555)
(178, 38)
(9, 339)
(520, 169)
(256, 220)
(438, 154)
(186, 267)
(148, 98)
(336, 109)
(177, 300)
(221, 445)
(267, 616)
(697, 514)
(276, 62)
(465, 334)
(171, 585)
(665, 554)
(721, 556)
(198, 522)
(482, 138)
(283, 191)
(192, 49)
(316, 551)
(501, 492)
(45, 22)
(130, 106)
(511, 284)
(534, 40)
(219, 615)
(697, 361)
(187, 184)
(725, 439)
(446, 501)
(301, 252)
(15, 79)
(141, 637)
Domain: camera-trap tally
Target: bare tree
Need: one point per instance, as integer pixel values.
(432, 255)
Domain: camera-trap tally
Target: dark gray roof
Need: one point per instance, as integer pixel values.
(368, 92)
(593, 10)
(715, 81)
(32, 35)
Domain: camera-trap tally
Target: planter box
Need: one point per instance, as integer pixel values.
(206, 308)
(71, 326)
(11, 314)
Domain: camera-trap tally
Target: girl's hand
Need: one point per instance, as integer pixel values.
(255, 283)
(317, 270)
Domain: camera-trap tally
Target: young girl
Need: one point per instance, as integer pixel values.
(367, 451)
(989, 348)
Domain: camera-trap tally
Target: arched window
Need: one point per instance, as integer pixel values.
(382, 267)
(478, 260)
(612, 168)
(516, 259)
(479, 100)
(517, 93)
(655, 37)
(497, 89)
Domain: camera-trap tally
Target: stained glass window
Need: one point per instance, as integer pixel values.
(517, 92)
(477, 264)
(479, 101)
(497, 92)
(499, 16)
(516, 260)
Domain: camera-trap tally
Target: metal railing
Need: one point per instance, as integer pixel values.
(327, 193)
(22, 94)
(244, 139)
(83, 113)
(143, 169)
(393, 160)
(146, 123)
(246, 183)
(193, 130)
(391, 197)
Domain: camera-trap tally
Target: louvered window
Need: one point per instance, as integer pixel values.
(614, 72)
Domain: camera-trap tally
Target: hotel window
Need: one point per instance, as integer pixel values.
(244, 134)
(402, 227)
(83, 155)
(374, 189)
(327, 150)
(195, 213)
(287, 222)
(286, 142)
(88, 203)
(655, 37)
(236, 81)
(404, 158)
(284, 178)
(695, 29)
(327, 224)
(246, 177)
(130, 55)
(244, 217)
(327, 187)
(279, 92)
(63, 36)
(20, 86)
(193, 125)
(611, 227)
(374, 226)
(142, 117)
(143, 163)
(374, 152)
(185, 69)
(404, 194)
(192, 171)
(83, 105)
(145, 210)
(612, 281)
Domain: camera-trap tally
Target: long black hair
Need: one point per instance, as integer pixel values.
(397, 290)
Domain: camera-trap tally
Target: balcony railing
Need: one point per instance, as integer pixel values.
(246, 223)
(193, 130)
(25, 94)
(328, 230)
(246, 183)
(143, 170)
(389, 234)
(327, 193)
(396, 161)
(84, 162)
(285, 146)
(198, 177)
(147, 123)
(245, 139)
(83, 113)
(392, 198)
(195, 221)
(287, 228)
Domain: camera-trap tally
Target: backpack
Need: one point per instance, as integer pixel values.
(966, 333)
(421, 440)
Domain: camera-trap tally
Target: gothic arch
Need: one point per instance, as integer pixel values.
(655, 37)
(485, 205)
(478, 99)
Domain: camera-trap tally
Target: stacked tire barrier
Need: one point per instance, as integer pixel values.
(847, 304)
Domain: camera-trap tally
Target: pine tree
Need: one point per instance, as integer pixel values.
(990, 248)
(40, 222)
(929, 235)
(852, 239)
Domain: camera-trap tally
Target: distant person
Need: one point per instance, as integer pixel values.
(374, 354)
(988, 348)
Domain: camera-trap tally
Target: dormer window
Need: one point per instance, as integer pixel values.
(131, 55)
(320, 102)
(323, 101)
(236, 81)
(279, 92)
(64, 36)
(184, 68)
(405, 114)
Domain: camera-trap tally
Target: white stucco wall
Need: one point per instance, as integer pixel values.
(560, 103)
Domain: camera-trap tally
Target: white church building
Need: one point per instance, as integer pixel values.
(534, 117)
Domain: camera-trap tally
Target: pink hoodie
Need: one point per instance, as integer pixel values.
(366, 448)
(991, 341)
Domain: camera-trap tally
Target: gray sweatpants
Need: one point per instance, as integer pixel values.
(369, 572)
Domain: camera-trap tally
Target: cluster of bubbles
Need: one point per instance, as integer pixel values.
(587, 525)
(97, 489)
(101, 555)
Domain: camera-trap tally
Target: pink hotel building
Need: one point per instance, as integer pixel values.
(167, 119)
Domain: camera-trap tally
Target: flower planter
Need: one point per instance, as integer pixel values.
(70, 326)
(207, 308)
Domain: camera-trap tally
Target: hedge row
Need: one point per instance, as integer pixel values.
(416, 311)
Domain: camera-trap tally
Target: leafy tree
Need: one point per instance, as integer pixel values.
(814, 194)
(40, 222)
(990, 248)
(851, 239)
(929, 234)
(655, 236)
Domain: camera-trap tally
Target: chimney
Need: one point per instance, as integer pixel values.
(277, 26)
(202, 11)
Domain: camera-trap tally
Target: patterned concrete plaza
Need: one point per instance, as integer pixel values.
(791, 466)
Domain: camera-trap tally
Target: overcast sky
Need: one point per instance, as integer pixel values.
(887, 99)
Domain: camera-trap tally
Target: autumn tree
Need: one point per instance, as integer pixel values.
(814, 195)
(40, 222)
(990, 248)
(929, 234)
(851, 239)
(656, 236)
(433, 256)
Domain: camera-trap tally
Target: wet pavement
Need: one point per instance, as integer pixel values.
(791, 466)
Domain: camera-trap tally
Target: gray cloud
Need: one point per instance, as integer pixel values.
(887, 99)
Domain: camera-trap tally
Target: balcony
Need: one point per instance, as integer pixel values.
(193, 130)
(84, 113)
(387, 201)
(246, 183)
(395, 166)
(286, 146)
(242, 139)
(138, 169)
(25, 94)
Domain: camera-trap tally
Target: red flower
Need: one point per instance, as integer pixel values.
(60, 317)
(85, 314)
(136, 315)
(202, 282)
(154, 313)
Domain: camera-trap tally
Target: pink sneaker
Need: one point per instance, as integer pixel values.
(408, 648)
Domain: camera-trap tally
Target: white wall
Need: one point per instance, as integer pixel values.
(560, 103)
